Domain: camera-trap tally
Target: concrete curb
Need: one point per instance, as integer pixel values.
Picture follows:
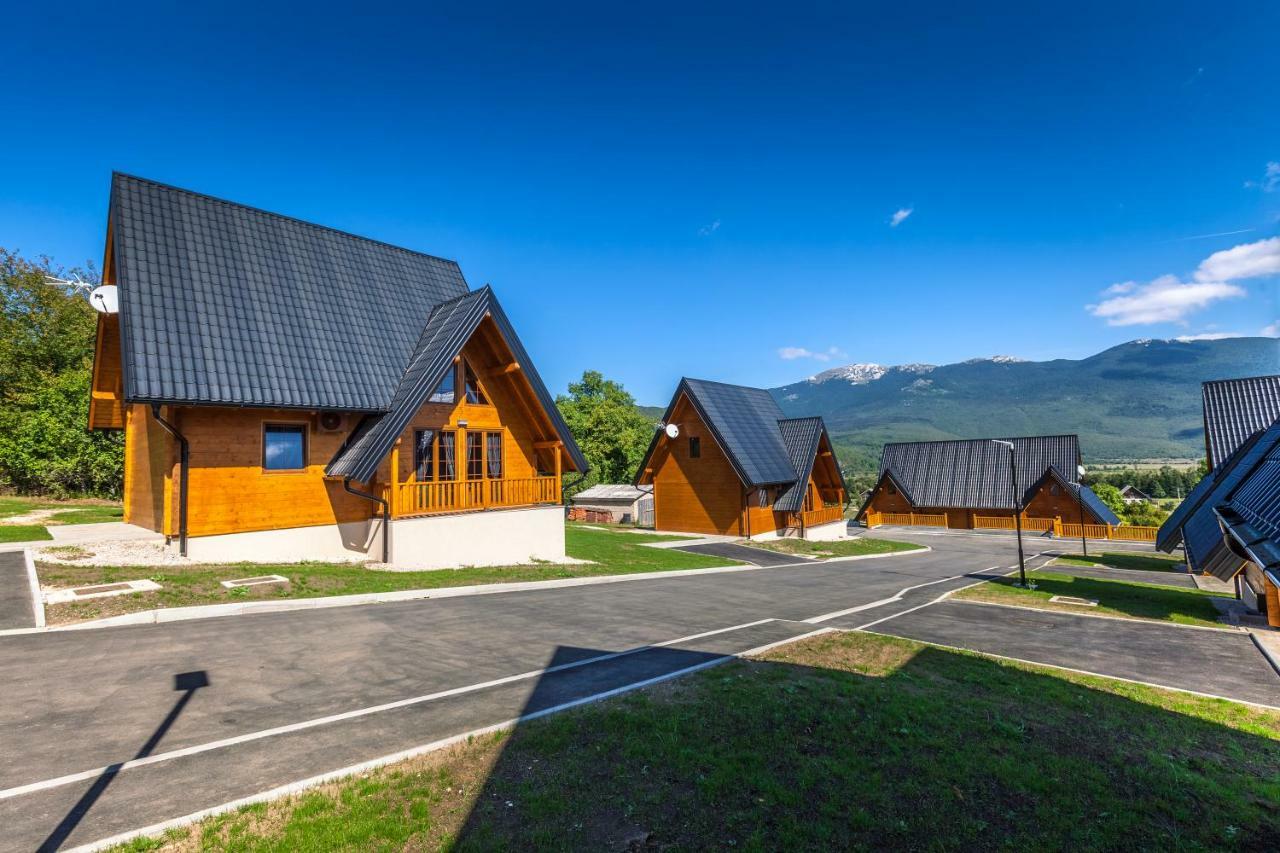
(33, 581)
(213, 611)
(1266, 652)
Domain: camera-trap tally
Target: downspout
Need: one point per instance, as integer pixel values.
(386, 515)
(184, 467)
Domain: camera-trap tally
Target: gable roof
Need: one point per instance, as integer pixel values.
(802, 437)
(1085, 495)
(1251, 515)
(1169, 536)
(1199, 530)
(1235, 409)
(974, 473)
(763, 447)
(1134, 490)
(448, 329)
(610, 492)
(224, 304)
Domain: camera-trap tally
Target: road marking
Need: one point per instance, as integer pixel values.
(897, 597)
(1079, 671)
(413, 752)
(344, 716)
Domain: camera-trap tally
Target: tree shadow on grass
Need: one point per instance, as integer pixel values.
(855, 740)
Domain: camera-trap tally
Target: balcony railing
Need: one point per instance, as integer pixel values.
(429, 498)
(822, 515)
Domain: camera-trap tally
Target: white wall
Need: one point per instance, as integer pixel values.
(494, 538)
(353, 541)
(827, 532)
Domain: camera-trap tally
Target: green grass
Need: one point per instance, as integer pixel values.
(612, 553)
(23, 533)
(846, 741)
(1114, 597)
(1124, 560)
(839, 548)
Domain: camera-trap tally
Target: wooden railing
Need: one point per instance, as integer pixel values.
(462, 495)
(1124, 532)
(912, 519)
(825, 515)
(1006, 522)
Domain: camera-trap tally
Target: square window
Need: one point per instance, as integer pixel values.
(284, 447)
(695, 447)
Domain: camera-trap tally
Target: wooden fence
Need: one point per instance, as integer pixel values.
(1056, 526)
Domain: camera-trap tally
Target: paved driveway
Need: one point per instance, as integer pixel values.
(15, 592)
(741, 553)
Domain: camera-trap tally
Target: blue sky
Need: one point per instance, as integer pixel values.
(662, 190)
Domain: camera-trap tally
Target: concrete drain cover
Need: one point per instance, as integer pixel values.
(260, 579)
(1071, 599)
(102, 590)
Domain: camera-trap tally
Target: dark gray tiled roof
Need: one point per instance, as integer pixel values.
(1251, 514)
(448, 329)
(226, 304)
(1200, 532)
(1235, 409)
(974, 473)
(1093, 503)
(801, 437)
(1169, 536)
(745, 423)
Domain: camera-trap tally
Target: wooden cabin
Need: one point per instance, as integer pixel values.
(289, 392)
(969, 484)
(1229, 524)
(726, 461)
(1133, 495)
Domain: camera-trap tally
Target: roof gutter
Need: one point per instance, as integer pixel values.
(386, 515)
(184, 468)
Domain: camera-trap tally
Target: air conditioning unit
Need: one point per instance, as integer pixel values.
(332, 421)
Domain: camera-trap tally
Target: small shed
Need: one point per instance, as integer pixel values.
(1134, 495)
(621, 504)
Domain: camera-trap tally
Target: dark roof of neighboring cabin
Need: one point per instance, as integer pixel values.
(974, 473)
(450, 326)
(1088, 497)
(226, 304)
(1198, 527)
(1235, 409)
(1251, 514)
(762, 445)
(1135, 490)
(802, 437)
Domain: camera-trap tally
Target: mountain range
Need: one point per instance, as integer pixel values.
(1138, 401)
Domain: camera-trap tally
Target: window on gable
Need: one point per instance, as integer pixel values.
(889, 487)
(695, 447)
(284, 447)
(444, 391)
(471, 387)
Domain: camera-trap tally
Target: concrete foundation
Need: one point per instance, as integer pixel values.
(827, 532)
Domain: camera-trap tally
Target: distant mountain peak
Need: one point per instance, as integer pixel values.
(997, 359)
(861, 374)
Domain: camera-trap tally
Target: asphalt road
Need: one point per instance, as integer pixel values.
(15, 592)
(221, 709)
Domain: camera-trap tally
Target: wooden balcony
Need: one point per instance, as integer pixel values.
(416, 499)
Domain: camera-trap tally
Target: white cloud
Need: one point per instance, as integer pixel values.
(792, 353)
(1165, 300)
(900, 216)
(1248, 260)
(708, 230)
(1121, 287)
(1272, 331)
(1270, 179)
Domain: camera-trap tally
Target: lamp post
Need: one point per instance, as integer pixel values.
(1084, 543)
(1017, 510)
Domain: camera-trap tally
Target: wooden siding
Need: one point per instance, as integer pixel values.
(702, 495)
(149, 460)
(1044, 504)
(106, 399)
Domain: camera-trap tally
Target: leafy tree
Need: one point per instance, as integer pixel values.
(1110, 496)
(1144, 514)
(604, 421)
(46, 346)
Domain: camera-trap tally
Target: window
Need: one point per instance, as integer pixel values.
(471, 387)
(695, 447)
(493, 454)
(284, 447)
(447, 458)
(475, 456)
(444, 391)
(423, 467)
(764, 498)
(1055, 489)
(890, 489)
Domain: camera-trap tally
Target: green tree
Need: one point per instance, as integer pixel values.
(46, 347)
(604, 421)
(1110, 496)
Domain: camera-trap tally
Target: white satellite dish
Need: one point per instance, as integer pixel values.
(105, 299)
(672, 430)
(1080, 470)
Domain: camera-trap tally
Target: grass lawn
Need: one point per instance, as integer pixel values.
(87, 511)
(23, 533)
(1114, 597)
(839, 548)
(843, 741)
(1125, 560)
(612, 553)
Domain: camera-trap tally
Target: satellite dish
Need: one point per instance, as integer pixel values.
(672, 430)
(1080, 470)
(105, 299)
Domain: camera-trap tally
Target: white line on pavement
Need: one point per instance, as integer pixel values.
(898, 597)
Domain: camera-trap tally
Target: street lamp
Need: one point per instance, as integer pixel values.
(1017, 510)
(1084, 543)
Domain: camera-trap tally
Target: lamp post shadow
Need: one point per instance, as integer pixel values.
(185, 682)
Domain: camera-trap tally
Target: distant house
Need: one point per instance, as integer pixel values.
(1229, 524)
(962, 484)
(1134, 495)
(729, 462)
(621, 504)
(292, 392)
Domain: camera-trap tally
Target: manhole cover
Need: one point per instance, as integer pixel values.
(103, 587)
(1071, 599)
